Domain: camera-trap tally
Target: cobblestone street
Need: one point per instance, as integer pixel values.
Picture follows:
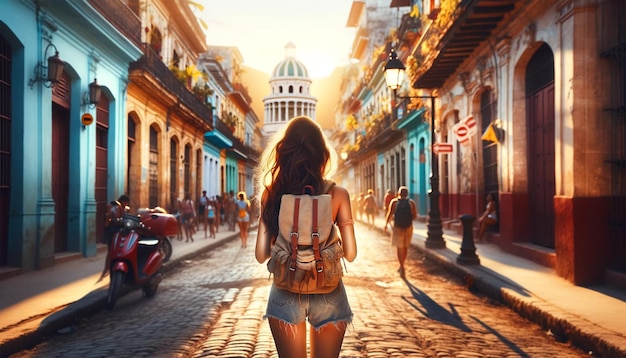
(213, 307)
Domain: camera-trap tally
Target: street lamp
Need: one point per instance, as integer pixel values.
(394, 76)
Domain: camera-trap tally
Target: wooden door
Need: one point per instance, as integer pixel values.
(541, 186)
(5, 145)
(540, 143)
(60, 173)
(60, 156)
(102, 172)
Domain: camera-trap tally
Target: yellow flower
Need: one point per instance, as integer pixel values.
(193, 72)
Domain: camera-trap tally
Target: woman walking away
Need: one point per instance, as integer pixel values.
(299, 156)
(211, 216)
(243, 217)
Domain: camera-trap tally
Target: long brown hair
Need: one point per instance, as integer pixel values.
(298, 156)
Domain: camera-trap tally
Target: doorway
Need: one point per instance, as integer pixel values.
(540, 140)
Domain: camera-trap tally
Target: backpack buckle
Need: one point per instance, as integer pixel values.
(313, 235)
(294, 234)
(319, 266)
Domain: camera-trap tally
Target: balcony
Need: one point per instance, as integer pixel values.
(241, 96)
(455, 36)
(244, 151)
(360, 43)
(150, 73)
(121, 17)
(410, 29)
(379, 135)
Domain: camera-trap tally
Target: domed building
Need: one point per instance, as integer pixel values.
(291, 93)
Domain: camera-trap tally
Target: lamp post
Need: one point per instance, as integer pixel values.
(394, 76)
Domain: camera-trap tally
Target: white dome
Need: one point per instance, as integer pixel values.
(290, 67)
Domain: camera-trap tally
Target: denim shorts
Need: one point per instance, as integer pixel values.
(321, 309)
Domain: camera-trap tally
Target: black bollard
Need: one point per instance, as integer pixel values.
(468, 249)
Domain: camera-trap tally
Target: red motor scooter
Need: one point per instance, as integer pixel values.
(136, 253)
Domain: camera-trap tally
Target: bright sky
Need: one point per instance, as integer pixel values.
(261, 29)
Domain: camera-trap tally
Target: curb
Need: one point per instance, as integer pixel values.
(65, 317)
(561, 325)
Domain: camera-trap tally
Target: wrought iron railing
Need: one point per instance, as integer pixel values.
(120, 16)
(152, 63)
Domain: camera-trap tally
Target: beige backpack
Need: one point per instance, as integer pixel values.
(306, 257)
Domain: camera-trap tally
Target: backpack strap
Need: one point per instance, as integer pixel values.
(328, 184)
(294, 239)
(315, 237)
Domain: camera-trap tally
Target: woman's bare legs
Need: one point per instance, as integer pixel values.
(246, 225)
(402, 253)
(290, 339)
(242, 233)
(482, 227)
(326, 342)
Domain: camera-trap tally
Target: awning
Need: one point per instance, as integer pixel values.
(472, 27)
(412, 120)
(218, 139)
(400, 3)
(355, 13)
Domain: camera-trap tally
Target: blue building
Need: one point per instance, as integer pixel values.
(57, 170)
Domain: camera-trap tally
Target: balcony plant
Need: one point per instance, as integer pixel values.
(202, 91)
(351, 123)
(230, 120)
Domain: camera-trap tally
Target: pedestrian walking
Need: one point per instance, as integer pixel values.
(388, 197)
(370, 208)
(243, 217)
(359, 206)
(189, 215)
(219, 213)
(202, 217)
(403, 211)
(211, 216)
(231, 210)
(299, 156)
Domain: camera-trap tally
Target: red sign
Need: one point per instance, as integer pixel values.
(442, 148)
(465, 129)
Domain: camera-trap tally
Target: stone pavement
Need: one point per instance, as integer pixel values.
(36, 304)
(591, 317)
(213, 307)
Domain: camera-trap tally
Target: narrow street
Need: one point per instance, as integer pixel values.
(213, 307)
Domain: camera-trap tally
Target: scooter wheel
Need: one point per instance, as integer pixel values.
(150, 288)
(115, 286)
(166, 248)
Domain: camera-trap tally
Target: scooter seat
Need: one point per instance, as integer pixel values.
(149, 242)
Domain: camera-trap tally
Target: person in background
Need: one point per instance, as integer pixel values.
(370, 208)
(243, 217)
(174, 209)
(115, 212)
(300, 156)
(218, 212)
(202, 217)
(403, 211)
(211, 216)
(488, 218)
(388, 197)
(189, 215)
(359, 206)
(231, 210)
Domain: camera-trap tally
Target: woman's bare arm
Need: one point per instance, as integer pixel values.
(263, 240)
(343, 212)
